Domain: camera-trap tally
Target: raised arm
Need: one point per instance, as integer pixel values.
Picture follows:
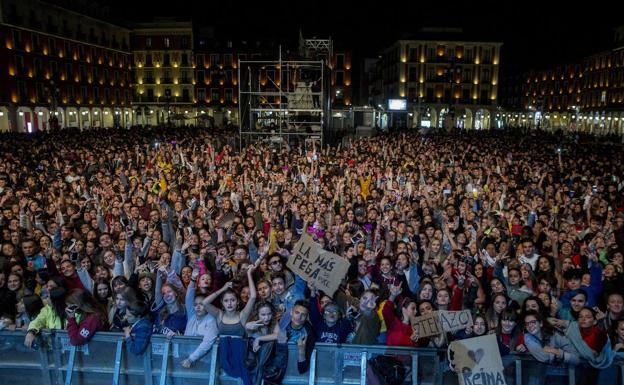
(252, 295)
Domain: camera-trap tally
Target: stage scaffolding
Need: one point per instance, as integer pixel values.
(282, 102)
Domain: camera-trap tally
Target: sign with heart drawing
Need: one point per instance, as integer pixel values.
(477, 361)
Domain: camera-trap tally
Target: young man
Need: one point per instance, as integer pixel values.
(296, 328)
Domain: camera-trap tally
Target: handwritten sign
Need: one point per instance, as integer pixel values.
(455, 320)
(441, 321)
(66, 346)
(427, 325)
(316, 265)
(477, 361)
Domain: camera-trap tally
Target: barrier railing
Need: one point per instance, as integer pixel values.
(105, 360)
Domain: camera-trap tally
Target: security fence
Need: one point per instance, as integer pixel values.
(104, 360)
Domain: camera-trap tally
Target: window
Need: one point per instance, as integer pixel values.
(214, 59)
(117, 96)
(38, 67)
(340, 60)
(413, 54)
(52, 45)
(200, 60)
(40, 92)
(166, 59)
(167, 42)
(228, 77)
(186, 95)
(22, 92)
(84, 95)
(17, 39)
(487, 55)
(430, 73)
(339, 78)
(469, 54)
(184, 59)
(54, 69)
(228, 60)
(148, 60)
(71, 92)
(184, 42)
(148, 42)
(215, 94)
(412, 77)
(486, 75)
(69, 71)
(201, 94)
(200, 77)
(107, 95)
(228, 95)
(96, 94)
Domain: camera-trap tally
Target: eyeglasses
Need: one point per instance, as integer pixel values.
(275, 262)
(532, 322)
(331, 312)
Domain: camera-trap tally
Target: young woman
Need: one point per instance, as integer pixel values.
(52, 316)
(137, 333)
(499, 303)
(263, 332)
(545, 344)
(28, 309)
(398, 320)
(84, 316)
(169, 312)
(230, 323)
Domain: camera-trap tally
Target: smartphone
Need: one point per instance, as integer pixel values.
(357, 238)
(594, 189)
(447, 191)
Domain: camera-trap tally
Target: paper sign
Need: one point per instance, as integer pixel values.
(455, 320)
(441, 321)
(66, 346)
(315, 265)
(427, 325)
(477, 361)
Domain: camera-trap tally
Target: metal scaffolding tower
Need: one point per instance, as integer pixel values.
(281, 101)
(285, 101)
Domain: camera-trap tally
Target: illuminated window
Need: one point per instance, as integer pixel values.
(167, 42)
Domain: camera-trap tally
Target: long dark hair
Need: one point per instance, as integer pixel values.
(57, 302)
(32, 305)
(547, 330)
(86, 303)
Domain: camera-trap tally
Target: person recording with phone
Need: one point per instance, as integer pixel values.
(84, 317)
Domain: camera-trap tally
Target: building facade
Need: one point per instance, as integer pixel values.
(164, 68)
(444, 83)
(58, 72)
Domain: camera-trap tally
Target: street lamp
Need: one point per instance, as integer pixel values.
(54, 93)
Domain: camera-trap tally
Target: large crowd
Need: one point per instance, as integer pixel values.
(180, 232)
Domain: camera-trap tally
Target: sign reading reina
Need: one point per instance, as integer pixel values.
(316, 265)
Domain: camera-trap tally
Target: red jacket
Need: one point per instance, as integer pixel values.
(81, 334)
(398, 333)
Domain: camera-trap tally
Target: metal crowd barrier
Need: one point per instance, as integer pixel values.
(104, 360)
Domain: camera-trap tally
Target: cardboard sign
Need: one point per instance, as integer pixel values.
(316, 265)
(477, 361)
(441, 321)
(427, 325)
(455, 320)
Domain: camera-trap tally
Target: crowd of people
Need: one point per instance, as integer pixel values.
(178, 232)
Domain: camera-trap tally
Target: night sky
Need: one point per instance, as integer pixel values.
(535, 33)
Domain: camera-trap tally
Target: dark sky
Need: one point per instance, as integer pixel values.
(534, 33)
